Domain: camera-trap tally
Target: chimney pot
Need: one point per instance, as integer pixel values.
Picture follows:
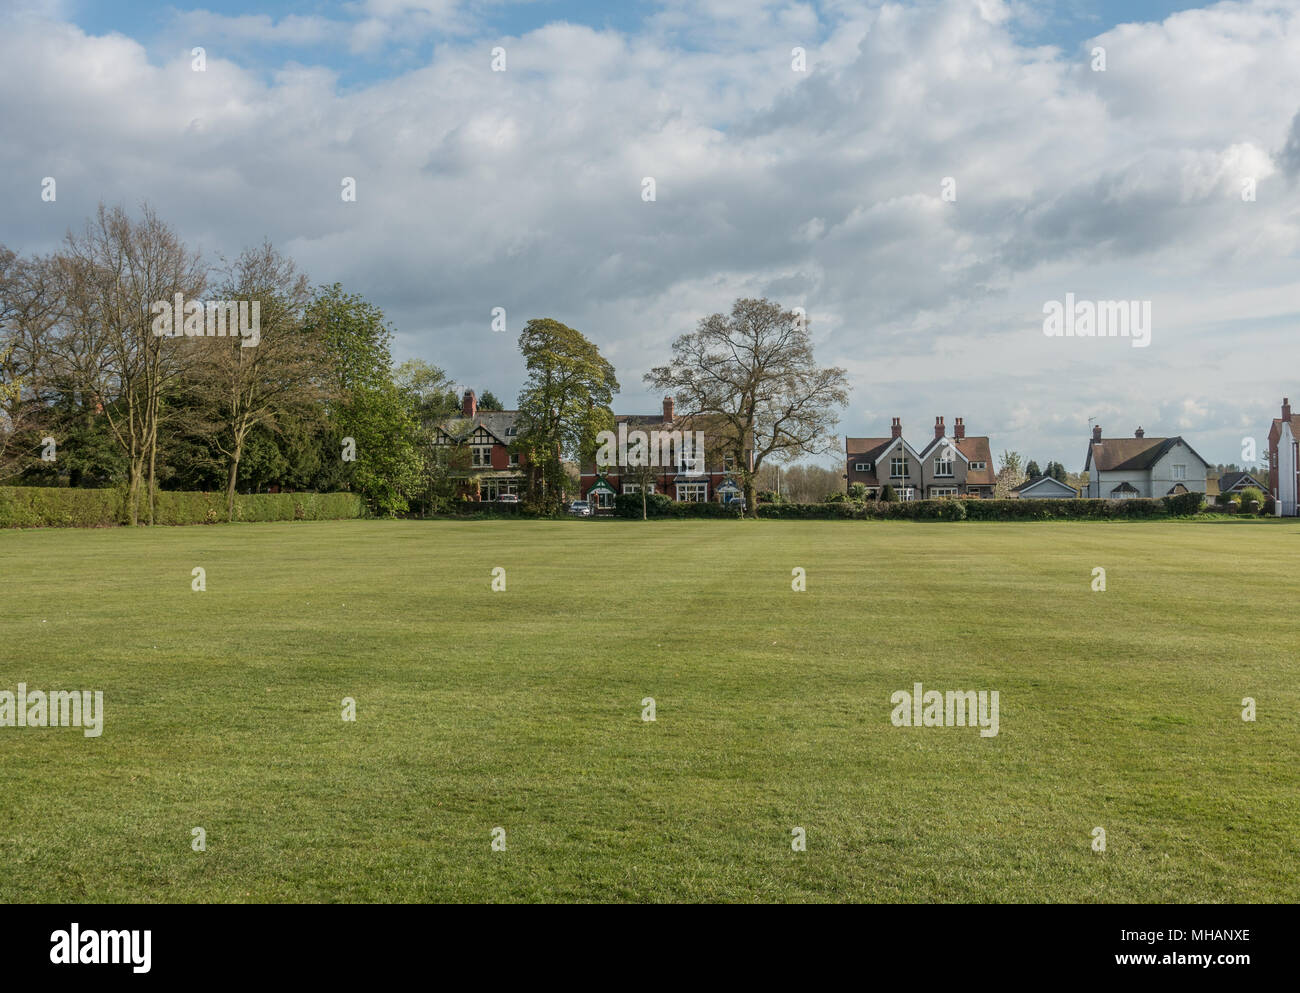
(1096, 435)
(1286, 409)
(896, 429)
(959, 429)
(469, 406)
(1139, 433)
(938, 427)
(668, 409)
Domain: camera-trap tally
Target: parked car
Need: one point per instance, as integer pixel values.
(508, 498)
(580, 508)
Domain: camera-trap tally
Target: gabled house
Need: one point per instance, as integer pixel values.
(1284, 461)
(708, 477)
(489, 469)
(1125, 468)
(1235, 482)
(949, 465)
(1044, 488)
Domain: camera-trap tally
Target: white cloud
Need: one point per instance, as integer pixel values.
(522, 189)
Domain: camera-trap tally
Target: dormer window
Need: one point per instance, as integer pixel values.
(861, 466)
(511, 431)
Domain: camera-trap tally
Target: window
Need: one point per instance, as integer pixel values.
(636, 487)
(514, 459)
(482, 456)
(494, 489)
(511, 431)
(603, 499)
(1180, 471)
(861, 466)
(906, 493)
(692, 492)
(943, 465)
(728, 463)
(977, 465)
(943, 491)
(898, 467)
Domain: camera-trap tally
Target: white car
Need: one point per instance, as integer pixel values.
(580, 508)
(508, 498)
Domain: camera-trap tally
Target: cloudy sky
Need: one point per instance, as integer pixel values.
(822, 188)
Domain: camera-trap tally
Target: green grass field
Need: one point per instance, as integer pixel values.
(522, 709)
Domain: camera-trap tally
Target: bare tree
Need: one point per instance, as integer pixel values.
(29, 307)
(248, 382)
(754, 371)
(113, 273)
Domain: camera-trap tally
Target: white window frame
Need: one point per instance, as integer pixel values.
(861, 466)
(942, 466)
(978, 465)
(601, 499)
(514, 458)
(893, 467)
(943, 491)
(1179, 470)
(482, 458)
(906, 494)
(636, 487)
(692, 492)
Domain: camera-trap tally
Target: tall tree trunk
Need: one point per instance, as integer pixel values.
(230, 481)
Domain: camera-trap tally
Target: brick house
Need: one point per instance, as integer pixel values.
(948, 465)
(492, 470)
(1284, 461)
(715, 480)
(1124, 468)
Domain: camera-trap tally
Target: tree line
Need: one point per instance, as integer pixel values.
(93, 394)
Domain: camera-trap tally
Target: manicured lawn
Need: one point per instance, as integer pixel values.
(522, 709)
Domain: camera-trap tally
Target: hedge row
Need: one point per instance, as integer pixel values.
(50, 506)
(659, 505)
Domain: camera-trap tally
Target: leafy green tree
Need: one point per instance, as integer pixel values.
(433, 400)
(564, 403)
(368, 408)
(1032, 471)
(489, 401)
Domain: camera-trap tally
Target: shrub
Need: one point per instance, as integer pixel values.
(836, 497)
(1184, 504)
(629, 505)
(1252, 494)
(858, 492)
(887, 494)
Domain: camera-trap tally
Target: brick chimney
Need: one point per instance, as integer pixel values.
(668, 410)
(1286, 409)
(469, 406)
(938, 427)
(896, 429)
(1096, 435)
(958, 429)
(1139, 433)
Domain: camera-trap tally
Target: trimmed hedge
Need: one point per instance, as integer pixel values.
(54, 507)
(659, 505)
(980, 510)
